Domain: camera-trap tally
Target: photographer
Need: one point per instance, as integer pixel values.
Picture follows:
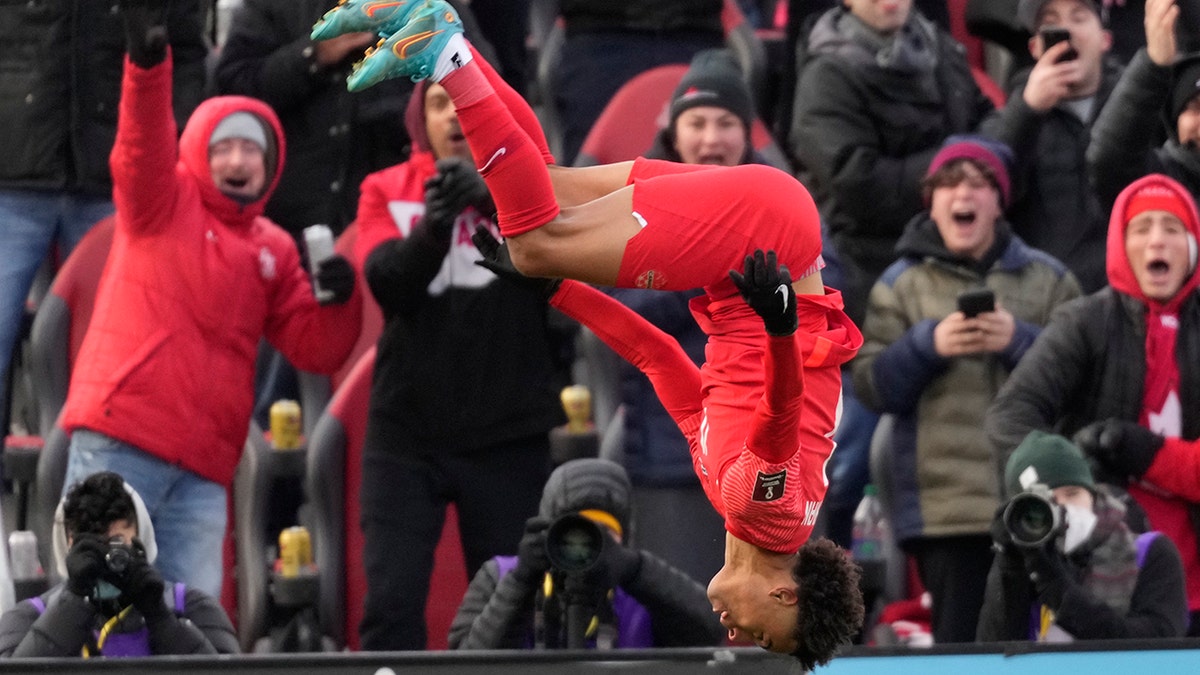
(631, 597)
(1092, 578)
(113, 601)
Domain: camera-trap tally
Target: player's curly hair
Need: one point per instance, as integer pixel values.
(94, 503)
(830, 602)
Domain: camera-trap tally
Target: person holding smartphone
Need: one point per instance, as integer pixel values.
(1047, 121)
(935, 353)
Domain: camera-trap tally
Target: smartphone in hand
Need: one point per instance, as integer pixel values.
(1053, 35)
(977, 301)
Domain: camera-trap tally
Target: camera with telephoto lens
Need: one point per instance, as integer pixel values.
(119, 556)
(1033, 519)
(573, 543)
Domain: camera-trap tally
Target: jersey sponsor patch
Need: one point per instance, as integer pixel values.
(769, 487)
(652, 279)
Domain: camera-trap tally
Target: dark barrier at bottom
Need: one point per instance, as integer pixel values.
(741, 661)
(1151, 656)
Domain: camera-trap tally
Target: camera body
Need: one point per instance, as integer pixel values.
(119, 557)
(574, 543)
(1033, 519)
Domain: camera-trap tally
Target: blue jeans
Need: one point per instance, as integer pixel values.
(188, 512)
(30, 222)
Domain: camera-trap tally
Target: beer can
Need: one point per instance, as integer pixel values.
(295, 551)
(318, 241)
(23, 555)
(285, 424)
(577, 404)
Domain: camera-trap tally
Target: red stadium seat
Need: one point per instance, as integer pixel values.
(62, 319)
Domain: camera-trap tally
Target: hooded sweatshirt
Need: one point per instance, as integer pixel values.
(1170, 488)
(466, 360)
(193, 281)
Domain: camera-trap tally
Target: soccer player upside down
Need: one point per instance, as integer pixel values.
(760, 414)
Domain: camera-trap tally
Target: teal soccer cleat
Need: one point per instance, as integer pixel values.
(377, 16)
(411, 51)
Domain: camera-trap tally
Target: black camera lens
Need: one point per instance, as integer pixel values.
(118, 556)
(573, 543)
(1031, 520)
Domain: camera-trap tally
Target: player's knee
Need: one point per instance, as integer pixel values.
(530, 254)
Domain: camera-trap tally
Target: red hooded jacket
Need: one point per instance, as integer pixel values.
(1171, 486)
(193, 281)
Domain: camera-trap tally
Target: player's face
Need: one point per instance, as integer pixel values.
(710, 135)
(238, 167)
(1156, 244)
(441, 125)
(885, 16)
(966, 212)
(756, 608)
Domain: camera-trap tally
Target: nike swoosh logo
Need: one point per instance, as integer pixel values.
(782, 291)
(370, 11)
(495, 156)
(400, 49)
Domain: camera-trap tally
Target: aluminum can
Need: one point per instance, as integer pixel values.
(295, 551)
(286, 426)
(318, 242)
(23, 555)
(577, 404)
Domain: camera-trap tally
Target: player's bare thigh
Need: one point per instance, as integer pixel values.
(579, 185)
(584, 242)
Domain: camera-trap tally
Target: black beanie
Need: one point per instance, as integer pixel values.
(1185, 84)
(713, 79)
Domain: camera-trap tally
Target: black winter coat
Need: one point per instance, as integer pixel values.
(60, 80)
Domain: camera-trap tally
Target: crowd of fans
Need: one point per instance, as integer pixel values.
(1073, 203)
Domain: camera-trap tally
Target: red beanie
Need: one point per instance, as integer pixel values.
(984, 151)
(1158, 197)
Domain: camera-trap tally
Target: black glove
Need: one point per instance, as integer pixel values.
(1121, 447)
(85, 563)
(532, 561)
(145, 31)
(620, 564)
(336, 274)
(1048, 570)
(454, 187)
(497, 260)
(143, 585)
(1007, 553)
(767, 287)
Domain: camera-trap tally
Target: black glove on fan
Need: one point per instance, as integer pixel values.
(454, 187)
(620, 563)
(497, 260)
(1048, 570)
(1007, 553)
(336, 274)
(767, 287)
(532, 561)
(85, 563)
(1121, 447)
(144, 586)
(145, 31)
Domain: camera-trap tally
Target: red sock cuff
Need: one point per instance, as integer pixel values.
(517, 106)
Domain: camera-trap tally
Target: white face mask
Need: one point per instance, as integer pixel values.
(1080, 524)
